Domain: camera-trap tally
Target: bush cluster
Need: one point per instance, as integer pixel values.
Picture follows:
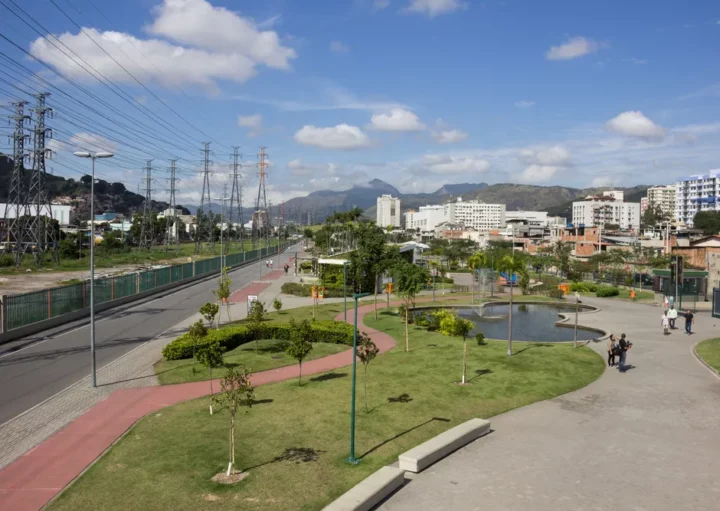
(583, 287)
(605, 291)
(297, 289)
(305, 265)
(233, 336)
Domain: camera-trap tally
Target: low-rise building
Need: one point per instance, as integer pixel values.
(606, 209)
(425, 219)
(59, 212)
(479, 215)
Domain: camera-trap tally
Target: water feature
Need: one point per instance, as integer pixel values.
(531, 322)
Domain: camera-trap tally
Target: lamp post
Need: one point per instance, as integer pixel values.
(352, 459)
(93, 157)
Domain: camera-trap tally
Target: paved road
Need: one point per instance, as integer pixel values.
(643, 440)
(33, 374)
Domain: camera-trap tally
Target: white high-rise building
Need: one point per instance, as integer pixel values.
(426, 219)
(388, 211)
(695, 194)
(478, 215)
(606, 209)
(663, 197)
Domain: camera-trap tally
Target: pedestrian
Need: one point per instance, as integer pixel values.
(688, 321)
(632, 295)
(286, 269)
(267, 263)
(271, 263)
(665, 322)
(623, 345)
(612, 350)
(672, 316)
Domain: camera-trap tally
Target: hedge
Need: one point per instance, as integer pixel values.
(583, 287)
(605, 291)
(297, 289)
(233, 336)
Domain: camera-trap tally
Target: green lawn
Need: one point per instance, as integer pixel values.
(709, 351)
(640, 296)
(271, 354)
(294, 441)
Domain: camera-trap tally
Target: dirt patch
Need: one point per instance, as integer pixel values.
(210, 497)
(233, 478)
(116, 466)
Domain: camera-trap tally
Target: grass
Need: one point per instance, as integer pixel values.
(271, 354)
(640, 296)
(294, 441)
(709, 351)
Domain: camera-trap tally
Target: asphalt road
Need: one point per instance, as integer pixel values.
(61, 356)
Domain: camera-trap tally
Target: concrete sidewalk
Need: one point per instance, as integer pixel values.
(647, 439)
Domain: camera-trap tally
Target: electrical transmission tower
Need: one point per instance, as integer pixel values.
(204, 229)
(41, 229)
(146, 230)
(16, 211)
(171, 229)
(261, 217)
(236, 211)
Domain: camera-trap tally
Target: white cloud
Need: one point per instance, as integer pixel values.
(299, 168)
(342, 136)
(338, 47)
(635, 124)
(524, 104)
(432, 8)
(92, 142)
(538, 173)
(254, 122)
(553, 156)
(438, 164)
(56, 145)
(572, 49)
(397, 120)
(706, 92)
(198, 23)
(379, 5)
(449, 136)
(601, 181)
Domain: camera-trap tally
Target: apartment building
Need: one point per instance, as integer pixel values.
(478, 215)
(606, 209)
(696, 193)
(425, 219)
(662, 197)
(388, 211)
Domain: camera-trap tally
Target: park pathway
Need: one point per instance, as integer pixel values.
(647, 439)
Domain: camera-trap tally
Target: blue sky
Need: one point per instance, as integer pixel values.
(415, 92)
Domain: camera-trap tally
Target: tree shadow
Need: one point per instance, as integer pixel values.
(535, 345)
(385, 442)
(261, 401)
(402, 398)
(293, 455)
(479, 373)
(328, 377)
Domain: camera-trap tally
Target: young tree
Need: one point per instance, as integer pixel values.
(197, 333)
(390, 258)
(277, 305)
(210, 355)
(511, 264)
(366, 352)
(562, 251)
(235, 391)
(223, 292)
(300, 344)
(209, 311)
(707, 221)
(256, 316)
(410, 280)
(462, 328)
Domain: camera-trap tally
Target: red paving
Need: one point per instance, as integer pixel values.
(33, 479)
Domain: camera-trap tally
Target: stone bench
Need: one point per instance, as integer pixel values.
(369, 492)
(425, 454)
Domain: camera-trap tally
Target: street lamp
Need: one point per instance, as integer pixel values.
(352, 459)
(93, 157)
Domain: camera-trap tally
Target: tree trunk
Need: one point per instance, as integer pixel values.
(464, 359)
(407, 317)
(211, 387)
(472, 287)
(300, 375)
(375, 293)
(509, 352)
(232, 439)
(365, 385)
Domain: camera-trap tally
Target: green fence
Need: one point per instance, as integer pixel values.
(27, 308)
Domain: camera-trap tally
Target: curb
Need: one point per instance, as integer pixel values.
(699, 358)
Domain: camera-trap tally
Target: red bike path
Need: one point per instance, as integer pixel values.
(35, 478)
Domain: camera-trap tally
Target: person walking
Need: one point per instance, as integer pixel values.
(623, 346)
(612, 350)
(665, 322)
(688, 321)
(672, 316)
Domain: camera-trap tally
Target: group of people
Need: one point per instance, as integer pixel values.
(618, 348)
(667, 320)
(269, 263)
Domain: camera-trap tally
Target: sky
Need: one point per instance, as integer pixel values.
(418, 93)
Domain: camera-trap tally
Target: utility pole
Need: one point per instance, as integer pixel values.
(261, 223)
(16, 211)
(236, 216)
(146, 230)
(171, 222)
(205, 228)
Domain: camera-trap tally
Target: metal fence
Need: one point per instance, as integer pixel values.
(27, 308)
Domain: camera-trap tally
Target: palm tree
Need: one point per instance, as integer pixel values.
(475, 261)
(511, 264)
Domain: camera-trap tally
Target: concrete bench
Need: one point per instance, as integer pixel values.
(425, 454)
(369, 492)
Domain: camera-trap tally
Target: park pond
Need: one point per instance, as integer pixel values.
(531, 322)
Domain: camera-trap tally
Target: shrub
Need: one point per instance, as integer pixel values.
(6, 261)
(555, 293)
(591, 286)
(480, 338)
(579, 287)
(233, 336)
(605, 291)
(305, 265)
(297, 289)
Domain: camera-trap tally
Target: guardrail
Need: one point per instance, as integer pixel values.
(19, 311)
